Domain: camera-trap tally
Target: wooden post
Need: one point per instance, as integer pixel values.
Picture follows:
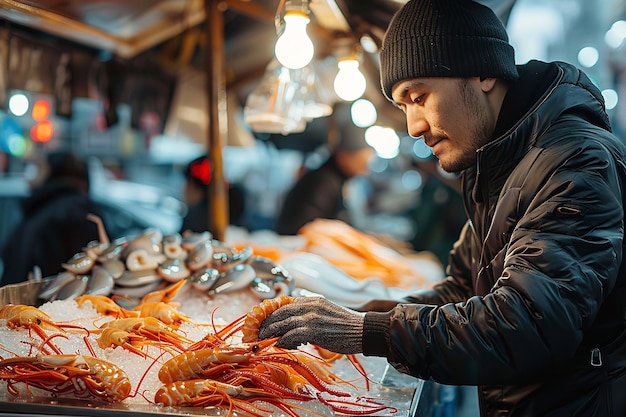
(217, 132)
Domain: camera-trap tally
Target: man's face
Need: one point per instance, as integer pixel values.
(452, 115)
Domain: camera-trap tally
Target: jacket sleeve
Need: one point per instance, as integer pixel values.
(561, 262)
(457, 286)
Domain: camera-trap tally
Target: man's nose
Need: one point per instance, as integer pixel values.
(416, 124)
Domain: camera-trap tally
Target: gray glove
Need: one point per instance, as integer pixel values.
(318, 321)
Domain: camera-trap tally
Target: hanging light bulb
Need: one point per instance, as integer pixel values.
(350, 82)
(294, 48)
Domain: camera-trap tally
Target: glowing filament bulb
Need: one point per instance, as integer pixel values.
(349, 83)
(294, 48)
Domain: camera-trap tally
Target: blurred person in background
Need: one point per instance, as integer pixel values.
(196, 195)
(438, 214)
(54, 225)
(319, 193)
(533, 309)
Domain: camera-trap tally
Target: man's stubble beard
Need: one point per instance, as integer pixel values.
(479, 135)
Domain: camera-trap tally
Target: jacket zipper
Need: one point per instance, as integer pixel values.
(596, 357)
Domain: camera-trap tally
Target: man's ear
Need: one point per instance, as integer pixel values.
(487, 84)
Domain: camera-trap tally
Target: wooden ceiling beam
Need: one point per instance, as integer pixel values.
(252, 9)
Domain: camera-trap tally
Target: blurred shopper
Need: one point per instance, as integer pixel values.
(318, 193)
(533, 310)
(196, 194)
(438, 214)
(54, 226)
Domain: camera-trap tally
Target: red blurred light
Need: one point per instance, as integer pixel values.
(42, 131)
(41, 110)
(201, 170)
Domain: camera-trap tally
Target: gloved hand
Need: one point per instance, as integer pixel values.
(318, 321)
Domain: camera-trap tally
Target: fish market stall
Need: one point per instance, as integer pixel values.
(162, 324)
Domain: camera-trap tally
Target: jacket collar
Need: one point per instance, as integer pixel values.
(543, 93)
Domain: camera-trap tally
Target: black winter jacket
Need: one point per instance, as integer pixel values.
(533, 309)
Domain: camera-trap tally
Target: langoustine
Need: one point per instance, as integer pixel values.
(81, 376)
(256, 366)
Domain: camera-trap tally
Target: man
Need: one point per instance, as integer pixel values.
(533, 308)
(319, 192)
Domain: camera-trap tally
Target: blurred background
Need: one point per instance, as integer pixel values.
(123, 84)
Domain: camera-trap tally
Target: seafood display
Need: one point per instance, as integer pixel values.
(171, 322)
(131, 267)
(90, 348)
(362, 256)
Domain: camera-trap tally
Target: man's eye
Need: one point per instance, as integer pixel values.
(417, 99)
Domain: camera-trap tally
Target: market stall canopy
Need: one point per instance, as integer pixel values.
(175, 30)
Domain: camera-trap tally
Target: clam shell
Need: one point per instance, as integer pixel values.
(115, 267)
(113, 250)
(236, 278)
(174, 238)
(225, 258)
(101, 282)
(200, 256)
(191, 240)
(72, 289)
(138, 291)
(173, 270)
(141, 260)
(203, 279)
(137, 278)
(80, 263)
(274, 276)
(55, 285)
(142, 242)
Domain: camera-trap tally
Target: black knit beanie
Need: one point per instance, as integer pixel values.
(445, 38)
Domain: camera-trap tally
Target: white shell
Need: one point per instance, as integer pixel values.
(100, 283)
(72, 289)
(142, 242)
(137, 278)
(173, 270)
(81, 263)
(191, 240)
(200, 256)
(55, 285)
(140, 260)
(115, 267)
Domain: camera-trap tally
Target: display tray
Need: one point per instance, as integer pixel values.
(398, 390)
